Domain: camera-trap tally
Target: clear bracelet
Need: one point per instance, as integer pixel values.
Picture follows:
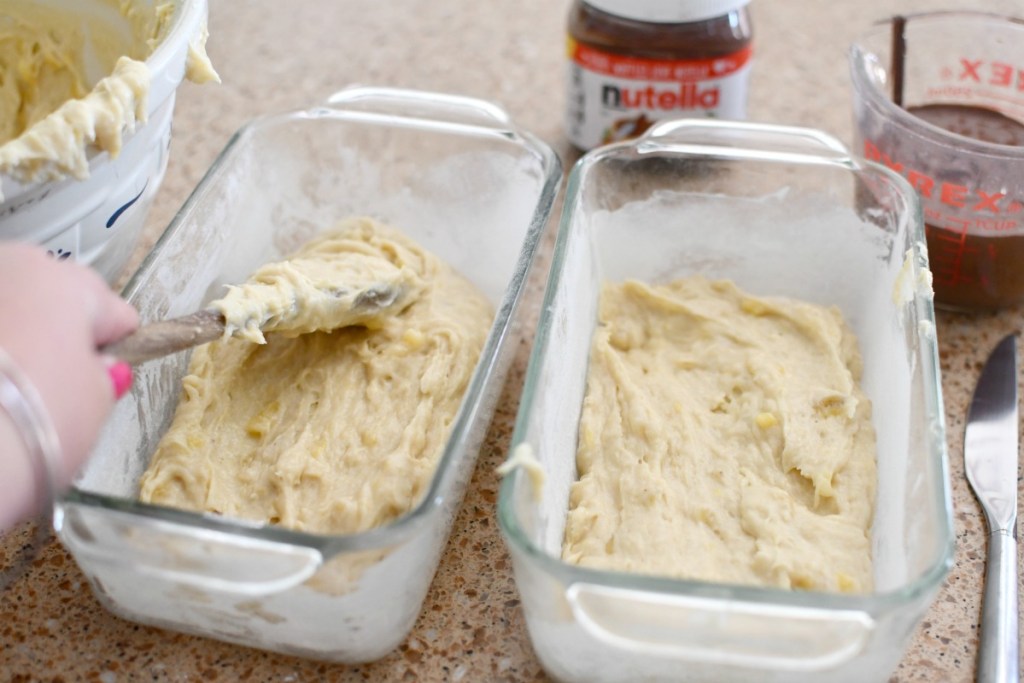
(23, 405)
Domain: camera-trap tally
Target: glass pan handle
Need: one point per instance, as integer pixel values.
(173, 553)
(744, 139)
(717, 631)
(422, 105)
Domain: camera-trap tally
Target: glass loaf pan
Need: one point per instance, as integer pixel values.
(781, 211)
(453, 173)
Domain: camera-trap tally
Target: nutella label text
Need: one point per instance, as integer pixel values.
(615, 97)
(686, 96)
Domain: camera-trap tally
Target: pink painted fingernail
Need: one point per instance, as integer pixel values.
(121, 376)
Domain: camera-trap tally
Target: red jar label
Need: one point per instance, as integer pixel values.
(614, 97)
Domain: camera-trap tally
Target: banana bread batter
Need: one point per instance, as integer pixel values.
(329, 432)
(724, 438)
(339, 279)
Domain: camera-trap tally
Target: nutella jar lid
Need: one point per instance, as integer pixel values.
(667, 11)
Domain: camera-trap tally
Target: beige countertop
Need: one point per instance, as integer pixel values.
(275, 56)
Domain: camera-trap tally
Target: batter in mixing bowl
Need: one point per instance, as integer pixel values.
(72, 80)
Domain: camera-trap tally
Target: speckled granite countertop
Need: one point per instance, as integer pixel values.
(275, 56)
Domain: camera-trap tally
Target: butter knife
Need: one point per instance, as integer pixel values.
(990, 459)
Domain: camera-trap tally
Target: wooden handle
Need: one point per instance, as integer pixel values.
(167, 336)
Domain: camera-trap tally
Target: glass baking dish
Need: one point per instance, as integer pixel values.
(781, 211)
(453, 173)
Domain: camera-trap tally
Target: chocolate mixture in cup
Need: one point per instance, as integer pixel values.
(937, 98)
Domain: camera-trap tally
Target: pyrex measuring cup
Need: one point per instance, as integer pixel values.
(939, 98)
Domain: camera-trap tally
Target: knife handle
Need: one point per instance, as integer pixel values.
(998, 649)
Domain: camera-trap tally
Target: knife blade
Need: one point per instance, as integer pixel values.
(990, 460)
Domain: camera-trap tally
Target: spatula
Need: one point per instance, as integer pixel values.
(336, 307)
(350, 275)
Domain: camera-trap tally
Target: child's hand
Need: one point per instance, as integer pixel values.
(53, 317)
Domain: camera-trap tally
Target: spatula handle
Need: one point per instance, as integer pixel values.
(998, 650)
(167, 336)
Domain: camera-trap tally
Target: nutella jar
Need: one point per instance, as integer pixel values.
(634, 62)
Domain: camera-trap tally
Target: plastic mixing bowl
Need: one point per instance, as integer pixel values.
(97, 221)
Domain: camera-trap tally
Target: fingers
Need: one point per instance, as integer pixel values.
(120, 374)
(112, 316)
(114, 319)
(55, 316)
(36, 286)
